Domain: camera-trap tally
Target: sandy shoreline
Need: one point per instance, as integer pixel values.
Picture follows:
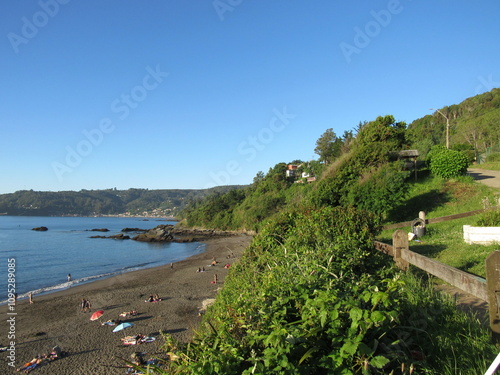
(56, 319)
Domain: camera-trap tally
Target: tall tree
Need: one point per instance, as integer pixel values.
(327, 146)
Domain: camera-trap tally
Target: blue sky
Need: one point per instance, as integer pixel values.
(192, 94)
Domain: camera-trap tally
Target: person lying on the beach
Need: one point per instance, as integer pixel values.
(56, 353)
(138, 339)
(129, 313)
(138, 360)
(156, 298)
(111, 322)
(132, 340)
(35, 362)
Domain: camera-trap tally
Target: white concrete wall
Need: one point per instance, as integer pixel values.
(481, 235)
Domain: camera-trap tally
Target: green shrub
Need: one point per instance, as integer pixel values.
(449, 163)
(381, 190)
(489, 219)
(436, 149)
(467, 149)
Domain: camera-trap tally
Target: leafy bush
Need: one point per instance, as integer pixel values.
(434, 151)
(489, 219)
(467, 149)
(448, 163)
(381, 190)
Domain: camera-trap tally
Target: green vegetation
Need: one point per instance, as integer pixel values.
(449, 163)
(444, 241)
(494, 166)
(473, 122)
(312, 296)
(365, 176)
(489, 219)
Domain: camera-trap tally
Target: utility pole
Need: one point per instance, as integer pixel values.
(447, 127)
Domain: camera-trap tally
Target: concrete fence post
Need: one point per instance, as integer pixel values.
(493, 285)
(400, 245)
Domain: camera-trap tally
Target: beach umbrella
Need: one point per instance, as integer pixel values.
(97, 315)
(121, 326)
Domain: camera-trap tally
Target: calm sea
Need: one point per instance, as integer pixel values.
(44, 259)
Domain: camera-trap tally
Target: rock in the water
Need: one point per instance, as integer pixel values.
(41, 229)
(161, 233)
(119, 236)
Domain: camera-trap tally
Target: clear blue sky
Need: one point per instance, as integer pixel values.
(192, 94)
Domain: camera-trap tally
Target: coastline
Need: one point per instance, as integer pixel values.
(55, 318)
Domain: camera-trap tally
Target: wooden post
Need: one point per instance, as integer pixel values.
(493, 284)
(415, 167)
(399, 245)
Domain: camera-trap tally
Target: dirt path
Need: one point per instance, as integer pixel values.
(487, 177)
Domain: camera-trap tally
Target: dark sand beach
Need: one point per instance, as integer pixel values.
(56, 319)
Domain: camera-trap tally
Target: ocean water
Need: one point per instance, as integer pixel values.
(44, 259)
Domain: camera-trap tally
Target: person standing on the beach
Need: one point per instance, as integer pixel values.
(83, 304)
(30, 296)
(87, 305)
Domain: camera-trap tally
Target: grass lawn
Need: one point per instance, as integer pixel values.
(492, 166)
(444, 241)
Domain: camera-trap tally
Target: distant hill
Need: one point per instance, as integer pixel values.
(475, 123)
(104, 202)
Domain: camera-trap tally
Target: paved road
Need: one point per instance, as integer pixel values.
(489, 178)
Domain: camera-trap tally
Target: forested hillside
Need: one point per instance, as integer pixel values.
(103, 202)
(359, 168)
(365, 174)
(475, 122)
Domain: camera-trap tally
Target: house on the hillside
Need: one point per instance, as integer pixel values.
(291, 170)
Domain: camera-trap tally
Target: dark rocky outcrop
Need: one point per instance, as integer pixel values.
(40, 229)
(119, 236)
(169, 233)
(161, 233)
(100, 230)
